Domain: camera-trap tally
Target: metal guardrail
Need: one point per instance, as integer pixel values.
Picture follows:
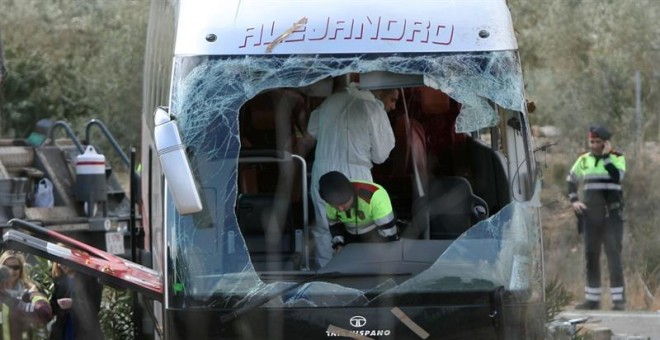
(106, 132)
(108, 135)
(69, 132)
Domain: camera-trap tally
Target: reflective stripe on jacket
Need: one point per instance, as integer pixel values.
(374, 209)
(601, 177)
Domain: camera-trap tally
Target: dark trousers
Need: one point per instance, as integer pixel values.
(604, 228)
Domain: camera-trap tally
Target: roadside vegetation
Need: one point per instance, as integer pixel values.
(75, 60)
(116, 315)
(580, 60)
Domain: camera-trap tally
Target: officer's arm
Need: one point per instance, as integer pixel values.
(573, 179)
(389, 230)
(38, 309)
(337, 232)
(336, 226)
(575, 175)
(615, 166)
(613, 171)
(572, 182)
(383, 215)
(33, 306)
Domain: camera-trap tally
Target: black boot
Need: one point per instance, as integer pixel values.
(588, 305)
(619, 305)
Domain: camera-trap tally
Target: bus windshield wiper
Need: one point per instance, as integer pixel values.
(239, 312)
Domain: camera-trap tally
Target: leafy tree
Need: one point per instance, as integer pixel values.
(74, 61)
(580, 58)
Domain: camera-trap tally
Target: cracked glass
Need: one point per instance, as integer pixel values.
(208, 260)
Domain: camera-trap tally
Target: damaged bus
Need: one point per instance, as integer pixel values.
(236, 248)
(229, 88)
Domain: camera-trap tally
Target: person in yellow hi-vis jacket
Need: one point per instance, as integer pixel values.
(601, 170)
(357, 211)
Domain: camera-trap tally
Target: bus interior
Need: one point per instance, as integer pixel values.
(441, 182)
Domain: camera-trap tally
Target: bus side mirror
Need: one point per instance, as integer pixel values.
(175, 164)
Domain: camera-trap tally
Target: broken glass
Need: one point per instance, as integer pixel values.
(207, 253)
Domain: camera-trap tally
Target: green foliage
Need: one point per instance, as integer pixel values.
(74, 61)
(647, 253)
(580, 59)
(117, 314)
(39, 271)
(642, 216)
(29, 94)
(556, 297)
(116, 306)
(22, 90)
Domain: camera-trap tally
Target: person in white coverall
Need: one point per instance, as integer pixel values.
(353, 132)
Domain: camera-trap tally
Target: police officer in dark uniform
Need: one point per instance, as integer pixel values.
(601, 170)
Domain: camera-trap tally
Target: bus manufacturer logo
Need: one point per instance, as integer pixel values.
(358, 321)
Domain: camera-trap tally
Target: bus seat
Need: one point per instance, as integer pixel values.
(267, 124)
(448, 209)
(265, 230)
(269, 220)
(248, 178)
(488, 174)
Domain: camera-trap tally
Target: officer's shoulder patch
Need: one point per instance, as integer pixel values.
(365, 190)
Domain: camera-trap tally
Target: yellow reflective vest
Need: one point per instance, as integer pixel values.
(373, 210)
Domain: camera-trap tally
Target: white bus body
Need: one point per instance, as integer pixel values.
(239, 263)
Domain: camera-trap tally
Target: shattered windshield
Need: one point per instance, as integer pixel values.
(209, 263)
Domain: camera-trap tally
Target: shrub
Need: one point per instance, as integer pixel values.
(556, 297)
(116, 315)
